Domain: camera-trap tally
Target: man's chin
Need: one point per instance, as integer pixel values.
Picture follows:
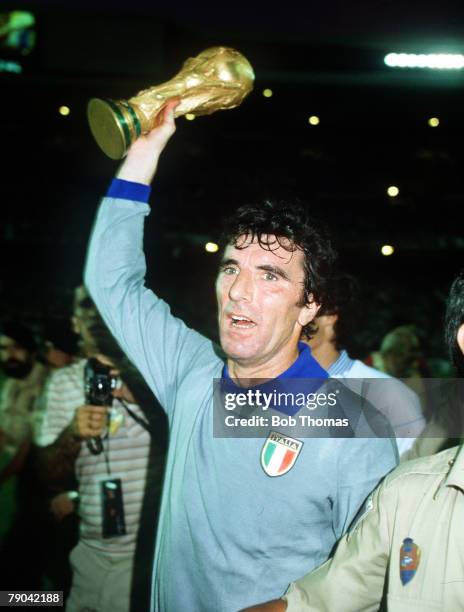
(239, 353)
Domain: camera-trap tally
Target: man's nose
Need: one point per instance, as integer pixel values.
(242, 287)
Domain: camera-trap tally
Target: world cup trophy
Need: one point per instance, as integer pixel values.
(218, 78)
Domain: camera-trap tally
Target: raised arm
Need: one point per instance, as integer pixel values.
(161, 346)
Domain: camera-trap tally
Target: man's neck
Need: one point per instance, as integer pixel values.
(245, 373)
(326, 354)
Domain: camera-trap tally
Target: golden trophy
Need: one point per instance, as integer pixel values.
(216, 79)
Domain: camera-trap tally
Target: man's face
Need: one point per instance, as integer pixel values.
(259, 293)
(81, 319)
(15, 360)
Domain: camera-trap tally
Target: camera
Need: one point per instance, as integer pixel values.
(99, 384)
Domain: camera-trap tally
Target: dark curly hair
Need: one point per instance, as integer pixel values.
(289, 226)
(454, 318)
(342, 301)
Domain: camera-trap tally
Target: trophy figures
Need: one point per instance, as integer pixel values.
(216, 79)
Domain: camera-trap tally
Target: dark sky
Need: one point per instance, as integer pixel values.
(370, 20)
(320, 58)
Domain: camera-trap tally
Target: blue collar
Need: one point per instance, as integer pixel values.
(306, 373)
(305, 366)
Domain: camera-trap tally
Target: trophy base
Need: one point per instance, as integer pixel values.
(114, 125)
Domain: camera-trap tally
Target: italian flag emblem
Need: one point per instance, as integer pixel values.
(279, 454)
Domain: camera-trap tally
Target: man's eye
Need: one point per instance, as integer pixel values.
(229, 270)
(269, 276)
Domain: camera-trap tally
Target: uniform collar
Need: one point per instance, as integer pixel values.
(341, 365)
(305, 375)
(305, 366)
(455, 476)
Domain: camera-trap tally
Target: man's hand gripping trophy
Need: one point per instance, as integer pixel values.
(218, 78)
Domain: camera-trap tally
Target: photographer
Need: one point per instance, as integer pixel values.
(92, 426)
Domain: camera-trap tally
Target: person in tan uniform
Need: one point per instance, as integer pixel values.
(407, 549)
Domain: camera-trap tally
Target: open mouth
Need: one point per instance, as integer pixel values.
(241, 322)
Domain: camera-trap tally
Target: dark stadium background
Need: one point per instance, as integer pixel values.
(324, 60)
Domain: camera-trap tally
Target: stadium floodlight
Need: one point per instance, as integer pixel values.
(387, 250)
(440, 61)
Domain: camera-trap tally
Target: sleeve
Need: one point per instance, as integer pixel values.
(401, 405)
(53, 418)
(363, 463)
(432, 440)
(354, 578)
(408, 420)
(161, 346)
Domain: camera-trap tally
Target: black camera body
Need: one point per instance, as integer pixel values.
(98, 383)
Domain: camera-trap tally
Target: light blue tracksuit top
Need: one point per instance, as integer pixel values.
(229, 535)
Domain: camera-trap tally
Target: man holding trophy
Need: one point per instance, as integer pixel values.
(230, 532)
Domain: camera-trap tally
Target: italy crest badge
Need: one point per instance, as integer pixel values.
(279, 454)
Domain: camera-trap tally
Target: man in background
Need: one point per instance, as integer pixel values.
(25, 377)
(336, 325)
(22, 546)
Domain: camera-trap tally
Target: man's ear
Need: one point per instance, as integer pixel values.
(460, 338)
(308, 312)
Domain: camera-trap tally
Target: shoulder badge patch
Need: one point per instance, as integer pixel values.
(279, 454)
(409, 560)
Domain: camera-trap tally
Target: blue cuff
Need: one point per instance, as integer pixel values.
(127, 190)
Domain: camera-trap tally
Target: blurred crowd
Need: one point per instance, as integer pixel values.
(55, 453)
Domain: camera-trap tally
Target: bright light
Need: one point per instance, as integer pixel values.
(64, 110)
(441, 61)
(225, 75)
(10, 67)
(267, 93)
(434, 121)
(211, 247)
(190, 116)
(314, 120)
(393, 191)
(387, 250)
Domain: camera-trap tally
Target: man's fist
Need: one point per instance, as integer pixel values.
(142, 158)
(89, 421)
